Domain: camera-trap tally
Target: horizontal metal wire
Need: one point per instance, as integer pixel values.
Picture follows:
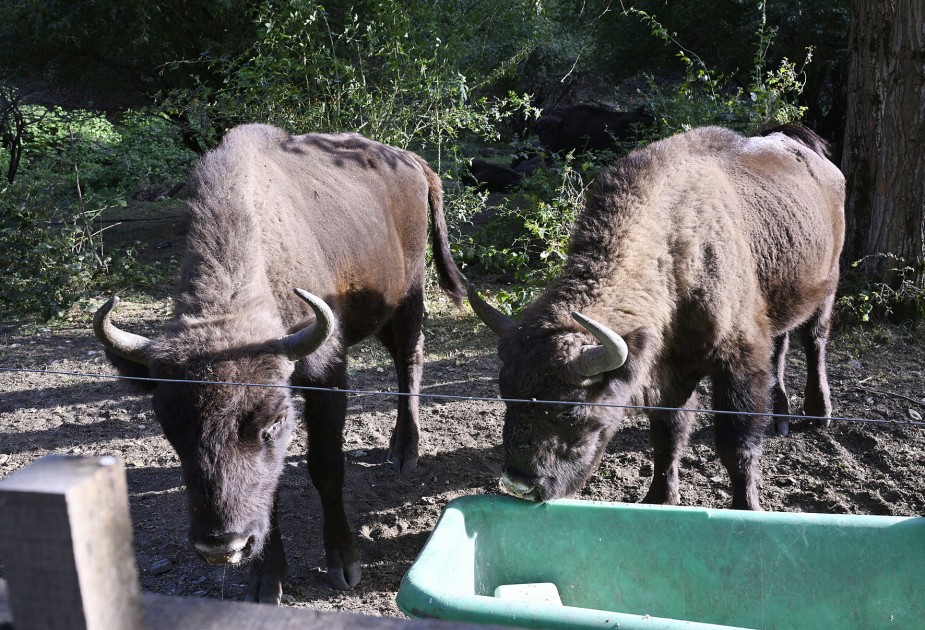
(532, 401)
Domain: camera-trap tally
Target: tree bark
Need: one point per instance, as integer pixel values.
(884, 148)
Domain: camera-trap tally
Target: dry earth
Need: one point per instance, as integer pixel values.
(853, 467)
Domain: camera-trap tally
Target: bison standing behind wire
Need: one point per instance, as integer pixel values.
(343, 217)
(694, 257)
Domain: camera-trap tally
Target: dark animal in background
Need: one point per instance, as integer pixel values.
(694, 257)
(494, 177)
(527, 165)
(589, 128)
(490, 177)
(343, 217)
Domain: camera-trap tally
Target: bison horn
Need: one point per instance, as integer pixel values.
(302, 343)
(124, 344)
(498, 322)
(597, 359)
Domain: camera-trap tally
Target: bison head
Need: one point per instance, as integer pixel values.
(231, 439)
(550, 450)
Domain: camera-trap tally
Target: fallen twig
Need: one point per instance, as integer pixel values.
(883, 393)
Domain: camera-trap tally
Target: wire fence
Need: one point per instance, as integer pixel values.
(456, 397)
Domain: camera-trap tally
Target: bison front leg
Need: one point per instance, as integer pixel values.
(268, 570)
(739, 437)
(324, 417)
(814, 335)
(403, 338)
(669, 431)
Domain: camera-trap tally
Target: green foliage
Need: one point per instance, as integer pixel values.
(527, 236)
(372, 68)
(77, 165)
(861, 300)
(707, 97)
(429, 76)
(114, 52)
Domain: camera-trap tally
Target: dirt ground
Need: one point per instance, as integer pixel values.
(876, 373)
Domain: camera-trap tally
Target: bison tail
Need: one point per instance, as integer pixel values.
(804, 135)
(449, 277)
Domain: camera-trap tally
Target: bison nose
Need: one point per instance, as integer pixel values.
(230, 548)
(520, 488)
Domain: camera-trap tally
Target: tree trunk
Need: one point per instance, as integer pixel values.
(884, 148)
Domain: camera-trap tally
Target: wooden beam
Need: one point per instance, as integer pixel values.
(6, 617)
(164, 612)
(66, 544)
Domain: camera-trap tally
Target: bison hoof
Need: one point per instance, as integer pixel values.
(401, 463)
(824, 423)
(345, 578)
(782, 427)
(265, 589)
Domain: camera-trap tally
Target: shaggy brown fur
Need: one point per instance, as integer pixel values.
(703, 251)
(342, 217)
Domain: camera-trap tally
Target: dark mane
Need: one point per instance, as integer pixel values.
(805, 135)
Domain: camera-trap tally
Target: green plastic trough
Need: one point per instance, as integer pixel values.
(649, 567)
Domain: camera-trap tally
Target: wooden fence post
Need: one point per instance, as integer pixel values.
(66, 545)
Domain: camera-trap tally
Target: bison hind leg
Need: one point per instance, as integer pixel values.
(403, 338)
(779, 388)
(814, 336)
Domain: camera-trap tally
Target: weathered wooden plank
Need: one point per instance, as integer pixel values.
(163, 612)
(66, 544)
(65, 541)
(6, 617)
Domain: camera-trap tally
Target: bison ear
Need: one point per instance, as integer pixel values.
(132, 370)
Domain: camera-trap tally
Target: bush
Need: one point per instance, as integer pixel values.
(527, 235)
(375, 69)
(77, 165)
(861, 300)
(706, 96)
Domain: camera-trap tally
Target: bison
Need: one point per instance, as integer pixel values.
(490, 177)
(589, 128)
(342, 217)
(694, 257)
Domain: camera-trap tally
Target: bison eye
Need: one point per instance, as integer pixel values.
(269, 434)
(570, 418)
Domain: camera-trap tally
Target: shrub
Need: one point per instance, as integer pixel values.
(706, 96)
(75, 166)
(375, 69)
(861, 300)
(527, 235)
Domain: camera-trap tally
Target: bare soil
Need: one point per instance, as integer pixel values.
(876, 373)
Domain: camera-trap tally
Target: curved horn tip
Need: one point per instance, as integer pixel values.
(609, 355)
(108, 305)
(300, 344)
(311, 298)
(102, 313)
(498, 322)
(122, 343)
